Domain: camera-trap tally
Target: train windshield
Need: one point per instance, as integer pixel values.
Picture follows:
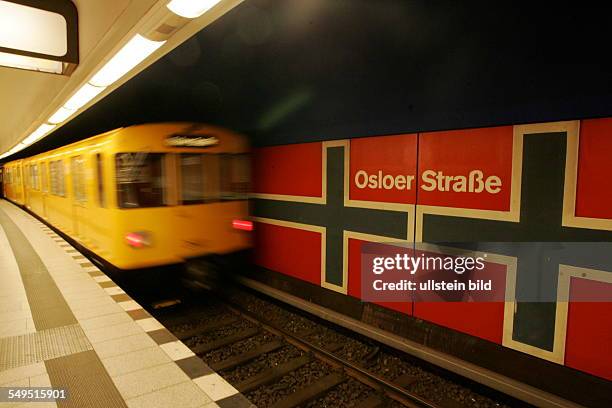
(192, 178)
(140, 180)
(235, 176)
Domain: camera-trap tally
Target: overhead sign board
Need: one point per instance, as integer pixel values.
(191, 140)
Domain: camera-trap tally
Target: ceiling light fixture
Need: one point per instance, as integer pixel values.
(85, 94)
(37, 134)
(132, 53)
(61, 115)
(191, 8)
(31, 63)
(39, 37)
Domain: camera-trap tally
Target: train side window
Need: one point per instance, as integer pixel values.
(192, 178)
(78, 178)
(100, 179)
(140, 180)
(43, 176)
(58, 184)
(211, 177)
(235, 176)
(34, 173)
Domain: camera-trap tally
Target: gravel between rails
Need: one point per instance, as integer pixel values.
(263, 362)
(238, 348)
(290, 383)
(347, 394)
(389, 366)
(222, 332)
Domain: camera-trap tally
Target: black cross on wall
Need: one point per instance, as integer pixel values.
(541, 225)
(335, 217)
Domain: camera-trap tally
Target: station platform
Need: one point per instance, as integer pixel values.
(65, 324)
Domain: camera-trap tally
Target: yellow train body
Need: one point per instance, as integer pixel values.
(96, 192)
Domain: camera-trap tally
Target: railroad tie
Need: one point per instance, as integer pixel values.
(405, 380)
(311, 392)
(272, 374)
(170, 321)
(206, 347)
(373, 401)
(333, 347)
(206, 329)
(234, 361)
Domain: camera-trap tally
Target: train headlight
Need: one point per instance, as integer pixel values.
(139, 239)
(243, 225)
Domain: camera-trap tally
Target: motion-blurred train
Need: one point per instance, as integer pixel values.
(142, 196)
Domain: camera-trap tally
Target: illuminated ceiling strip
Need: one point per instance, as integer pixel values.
(61, 115)
(37, 134)
(191, 8)
(132, 54)
(136, 50)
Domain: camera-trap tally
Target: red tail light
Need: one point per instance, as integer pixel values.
(243, 225)
(138, 239)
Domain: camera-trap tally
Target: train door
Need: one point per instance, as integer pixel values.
(44, 187)
(26, 184)
(77, 170)
(191, 219)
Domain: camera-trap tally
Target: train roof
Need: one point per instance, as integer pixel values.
(156, 137)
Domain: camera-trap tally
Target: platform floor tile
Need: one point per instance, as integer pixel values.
(185, 394)
(149, 379)
(129, 355)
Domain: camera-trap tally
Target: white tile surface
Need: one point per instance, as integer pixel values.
(112, 332)
(18, 373)
(137, 360)
(129, 305)
(123, 345)
(105, 321)
(215, 387)
(116, 290)
(184, 395)
(176, 350)
(149, 324)
(41, 380)
(149, 379)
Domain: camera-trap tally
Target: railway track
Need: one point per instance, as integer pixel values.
(279, 358)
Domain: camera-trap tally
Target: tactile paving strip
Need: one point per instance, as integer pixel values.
(48, 306)
(87, 382)
(42, 345)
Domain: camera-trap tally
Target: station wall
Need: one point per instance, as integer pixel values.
(317, 203)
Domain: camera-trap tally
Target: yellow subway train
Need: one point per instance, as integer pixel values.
(142, 196)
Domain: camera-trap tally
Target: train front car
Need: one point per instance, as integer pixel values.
(181, 194)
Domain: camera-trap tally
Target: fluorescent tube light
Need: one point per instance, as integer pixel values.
(61, 115)
(191, 8)
(31, 63)
(132, 53)
(17, 148)
(37, 134)
(85, 94)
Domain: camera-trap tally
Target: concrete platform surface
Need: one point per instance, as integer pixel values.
(65, 324)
